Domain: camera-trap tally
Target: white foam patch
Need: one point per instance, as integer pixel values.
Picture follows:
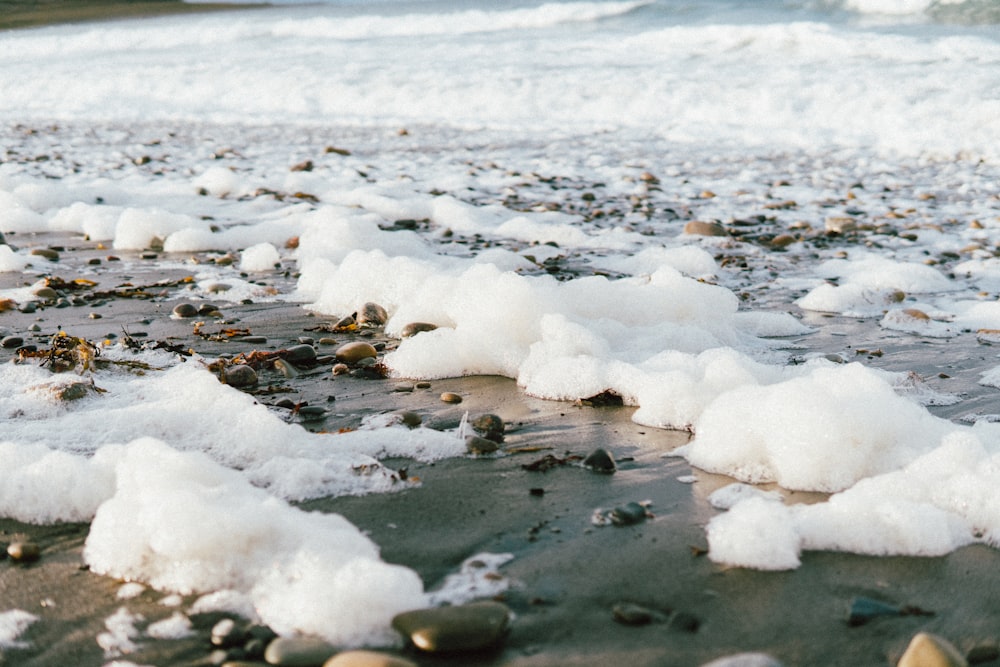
(181, 522)
(13, 624)
(821, 432)
(176, 626)
(260, 257)
(120, 633)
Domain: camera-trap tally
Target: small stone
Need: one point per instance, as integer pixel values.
(451, 397)
(352, 353)
(345, 323)
(257, 340)
(701, 228)
(423, 385)
(185, 310)
(298, 651)
(410, 419)
(627, 613)
(341, 369)
(27, 307)
(310, 412)
(840, 225)
(285, 368)
(413, 328)
(208, 309)
(628, 514)
(47, 253)
(403, 388)
(216, 288)
(467, 627)
(241, 375)
(986, 651)
(489, 426)
(301, 354)
(367, 659)
(600, 460)
(373, 315)
(782, 241)
(477, 445)
(94, 316)
(11, 342)
(24, 552)
(685, 622)
(73, 391)
(227, 634)
(930, 650)
(327, 341)
(46, 293)
(745, 660)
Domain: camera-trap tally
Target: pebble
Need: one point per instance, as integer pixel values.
(600, 460)
(298, 651)
(303, 353)
(413, 328)
(840, 225)
(47, 253)
(24, 552)
(11, 342)
(701, 228)
(73, 391)
(216, 288)
(285, 368)
(94, 316)
(631, 614)
(341, 369)
(258, 340)
(345, 323)
(628, 514)
(367, 659)
(930, 650)
(241, 375)
(477, 445)
(327, 341)
(352, 353)
(744, 660)
(423, 385)
(403, 388)
(227, 634)
(410, 419)
(467, 627)
(185, 310)
(489, 426)
(27, 307)
(373, 315)
(451, 397)
(986, 651)
(46, 293)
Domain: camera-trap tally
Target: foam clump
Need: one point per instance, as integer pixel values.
(13, 623)
(820, 432)
(259, 257)
(184, 523)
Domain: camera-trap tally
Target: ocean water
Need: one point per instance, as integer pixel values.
(553, 155)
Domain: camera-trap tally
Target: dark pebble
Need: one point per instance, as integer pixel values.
(685, 622)
(372, 315)
(537, 491)
(628, 514)
(10, 342)
(477, 445)
(301, 354)
(627, 613)
(865, 609)
(467, 627)
(600, 460)
(254, 339)
(413, 328)
(241, 376)
(24, 552)
(410, 419)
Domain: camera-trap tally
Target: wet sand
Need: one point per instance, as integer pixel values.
(566, 574)
(33, 13)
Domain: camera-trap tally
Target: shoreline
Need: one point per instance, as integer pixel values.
(21, 14)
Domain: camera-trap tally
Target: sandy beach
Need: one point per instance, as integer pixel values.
(567, 575)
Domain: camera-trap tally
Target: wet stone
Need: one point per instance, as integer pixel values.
(258, 340)
(413, 328)
(930, 650)
(627, 613)
(628, 514)
(47, 253)
(241, 376)
(185, 310)
(285, 368)
(477, 445)
(11, 342)
(298, 651)
(303, 353)
(373, 315)
(700, 228)
(227, 634)
(403, 388)
(865, 609)
(327, 341)
(46, 293)
(489, 426)
(986, 651)
(410, 419)
(367, 659)
(451, 397)
(468, 627)
(341, 369)
(27, 307)
(352, 353)
(600, 460)
(24, 552)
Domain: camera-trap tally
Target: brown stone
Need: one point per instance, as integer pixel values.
(413, 328)
(367, 659)
(929, 650)
(701, 228)
(352, 353)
